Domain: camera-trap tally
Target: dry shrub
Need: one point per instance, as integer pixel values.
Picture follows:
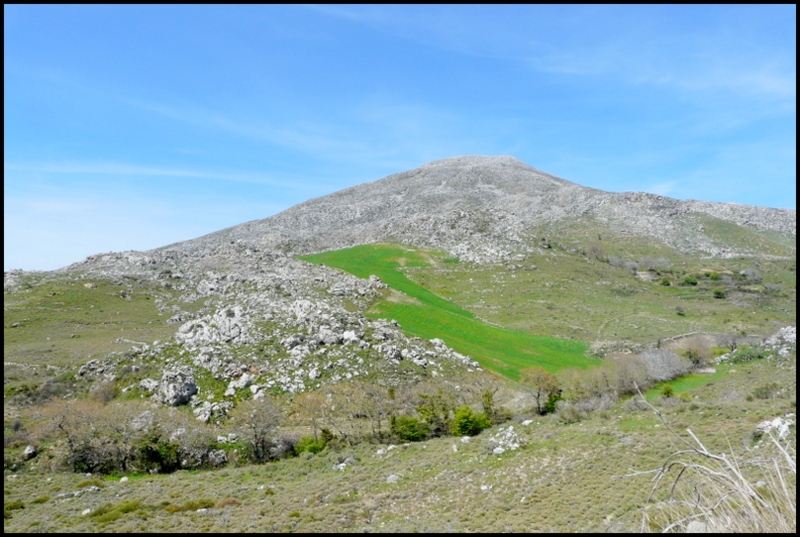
(697, 490)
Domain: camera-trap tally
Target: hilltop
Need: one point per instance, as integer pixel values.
(487, 208)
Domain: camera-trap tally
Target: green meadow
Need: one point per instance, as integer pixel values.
(425, 314)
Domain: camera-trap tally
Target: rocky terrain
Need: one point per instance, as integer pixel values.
(252, 316)
(145, 368)
(483, 209)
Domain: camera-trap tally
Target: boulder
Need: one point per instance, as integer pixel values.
(177, 388)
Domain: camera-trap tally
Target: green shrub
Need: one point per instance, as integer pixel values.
(719, 293)
(667, 391)
(684, 397)
(745, 355)
(690, 280)
(41, 499)
(194, 505)
(714, 276)
(408, 429)
(468, 423)
(16, 504)
(307, 443)
(665, 281)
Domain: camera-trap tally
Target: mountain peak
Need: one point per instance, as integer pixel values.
(481, 208)
(476, 160)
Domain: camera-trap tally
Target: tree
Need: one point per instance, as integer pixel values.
(256, 419)
(663, 364)
(435, 411)
(540, 383)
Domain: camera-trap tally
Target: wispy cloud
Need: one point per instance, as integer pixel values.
(122, 169)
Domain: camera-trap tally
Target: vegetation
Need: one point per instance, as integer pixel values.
(419, 454)
(423, 313)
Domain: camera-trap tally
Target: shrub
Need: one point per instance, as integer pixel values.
(719, 293)
(690, 280)
(435, 411)
(194, 505)
(665, 281)
(767, 391)
(697, 490)
(569, 414)
(408, 429)
(541, 384)
(307, 443)
(664, 365)
(667, 391)
(468, 423)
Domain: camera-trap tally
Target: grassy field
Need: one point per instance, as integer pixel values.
(423, 313)
(65, 322)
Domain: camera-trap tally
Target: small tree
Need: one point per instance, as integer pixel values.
(541, 384)
(256, 419)
(468, 423)
(435, 411)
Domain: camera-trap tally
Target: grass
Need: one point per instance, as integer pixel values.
(423, 313)
(561, 292)
(59, 323)
(688, 382)
(566, 478)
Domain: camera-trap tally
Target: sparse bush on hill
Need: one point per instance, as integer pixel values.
(467, 422)
(256, 419)
(408, 429)
(663, 364)
(542, 385)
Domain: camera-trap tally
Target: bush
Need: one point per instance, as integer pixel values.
(719, 293)
(690, 280)
(767, 391)
(408, 429)
(569, 414)
(468, 423)
(307, 443)
(667, 391)
(697, 490)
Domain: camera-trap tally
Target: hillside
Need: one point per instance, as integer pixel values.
(487, 208)
(432, 289)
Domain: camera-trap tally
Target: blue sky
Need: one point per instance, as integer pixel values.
(132, 127)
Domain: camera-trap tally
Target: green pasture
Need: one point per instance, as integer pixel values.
(688, 382)
(427, 315)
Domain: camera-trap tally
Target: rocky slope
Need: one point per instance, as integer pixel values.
(483, 209)
(270, 321)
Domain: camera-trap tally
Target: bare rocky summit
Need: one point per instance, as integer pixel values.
(482, 209)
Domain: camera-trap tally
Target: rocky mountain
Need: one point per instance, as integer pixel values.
(250, 315)
(483, 209)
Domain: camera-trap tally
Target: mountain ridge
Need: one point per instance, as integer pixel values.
(482, 209)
